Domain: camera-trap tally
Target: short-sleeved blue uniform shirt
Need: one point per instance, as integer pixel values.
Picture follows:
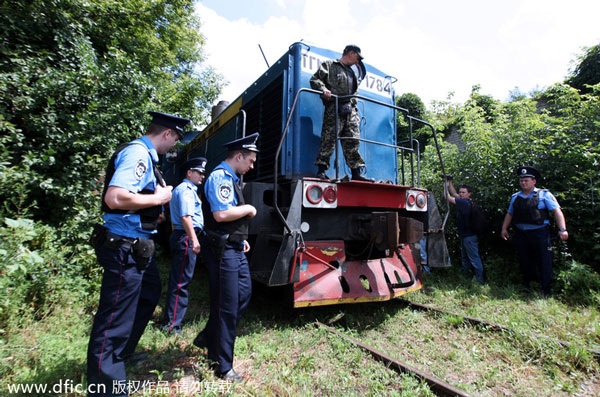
(133, 172)
(546, 201)
(219, 188)
(185, 202)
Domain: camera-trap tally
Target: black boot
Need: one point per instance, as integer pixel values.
(321, 173)
(356, 176)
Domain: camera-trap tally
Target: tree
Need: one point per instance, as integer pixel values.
(76, 79)
(587, 71)
(560, 140)
(416, 108)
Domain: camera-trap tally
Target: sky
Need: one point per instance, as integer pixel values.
(434, 48)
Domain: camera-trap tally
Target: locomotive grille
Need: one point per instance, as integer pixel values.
(264, 114)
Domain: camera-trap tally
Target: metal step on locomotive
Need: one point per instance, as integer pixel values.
(333, 241)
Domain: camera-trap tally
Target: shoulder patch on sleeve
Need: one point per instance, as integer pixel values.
(225, 191)
(140, 169)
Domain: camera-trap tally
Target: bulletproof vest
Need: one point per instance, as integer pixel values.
(148, 216)
(526, 211)
(237, 230)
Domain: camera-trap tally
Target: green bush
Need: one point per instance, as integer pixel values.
(557, 133)
(579, 284)
(36, 269)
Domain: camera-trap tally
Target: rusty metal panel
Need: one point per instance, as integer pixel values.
(384, 230)
(342, 281)
(411, 230)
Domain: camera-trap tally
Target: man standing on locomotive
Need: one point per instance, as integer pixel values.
(188, 221)
(336, 77)
(132, 200)
(226, 234)
(528, 213)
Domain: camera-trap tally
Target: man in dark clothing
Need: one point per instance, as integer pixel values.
(469, 247)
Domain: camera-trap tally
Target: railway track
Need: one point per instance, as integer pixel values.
(437, 386)
(492, 326)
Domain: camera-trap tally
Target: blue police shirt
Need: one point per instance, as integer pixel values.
(219, 188)
(185, 202)
(133, 172)
(546, 201)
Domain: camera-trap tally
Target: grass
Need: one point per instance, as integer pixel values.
(282, 353)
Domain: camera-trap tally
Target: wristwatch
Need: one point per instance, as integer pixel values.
(562, 229)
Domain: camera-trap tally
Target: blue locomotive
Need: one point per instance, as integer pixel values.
(332, 241)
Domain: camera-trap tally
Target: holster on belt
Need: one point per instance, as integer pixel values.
(142, 250)
(98, 236)
(217, 242)
(345, 108)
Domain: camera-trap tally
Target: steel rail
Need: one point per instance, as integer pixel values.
(494, 326)
(438, 386)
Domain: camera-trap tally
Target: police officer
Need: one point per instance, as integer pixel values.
(528, 212)
(226, 234)
(336, 77)
(188, 222)
(133, 196)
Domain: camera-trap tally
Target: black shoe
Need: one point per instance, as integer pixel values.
(362, 178)
(200, 341)
(230, 376)
(356, 176)
(168, 329)
(135, 357)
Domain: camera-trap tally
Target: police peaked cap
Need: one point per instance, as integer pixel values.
(247, 143)
(355, 48)
(170, 121)
(527, 171)
(196, 164)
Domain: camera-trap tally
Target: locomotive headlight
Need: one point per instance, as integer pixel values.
(330, 194)
(317, 194)
(416, 200)
(421, 200)
(314, 194)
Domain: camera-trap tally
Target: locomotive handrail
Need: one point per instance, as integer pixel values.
(284, 135)
(337, 98)
(410, 118)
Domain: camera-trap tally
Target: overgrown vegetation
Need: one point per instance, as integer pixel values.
(556, 131)
(77, 78)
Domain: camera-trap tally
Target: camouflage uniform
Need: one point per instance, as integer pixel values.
(340, 80)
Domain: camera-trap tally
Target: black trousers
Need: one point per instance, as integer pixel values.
(128, 297)
(230, 291)
(535, 252)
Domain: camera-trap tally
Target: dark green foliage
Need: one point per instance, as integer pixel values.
(37, 270)
(76, 79)
(579, 284)
(561, 140)
(416, 108)
(587, 71)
